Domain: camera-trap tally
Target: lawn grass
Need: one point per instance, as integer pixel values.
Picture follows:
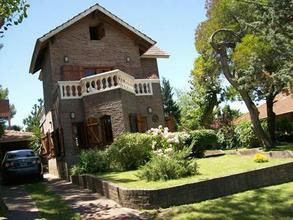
(270, 203)
(50, 205)
(208, 168)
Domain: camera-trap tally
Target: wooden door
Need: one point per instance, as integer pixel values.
(142, 124)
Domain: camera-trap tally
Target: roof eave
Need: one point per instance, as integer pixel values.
(32, 69)
(165, 56)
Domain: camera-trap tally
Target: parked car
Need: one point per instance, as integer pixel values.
(20, 163)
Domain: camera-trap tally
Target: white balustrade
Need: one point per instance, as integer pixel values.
(70, 89)
(104, 82)
(143, 87)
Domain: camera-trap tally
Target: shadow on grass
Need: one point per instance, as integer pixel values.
(50, 205)
(266, 204)
(283, 146)
(112, 177)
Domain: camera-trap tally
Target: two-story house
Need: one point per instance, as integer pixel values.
(100, 78)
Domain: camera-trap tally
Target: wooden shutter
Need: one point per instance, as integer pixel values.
(133, 123)
(142, 124)
(61, 141)
(45, 146)
(93, 132)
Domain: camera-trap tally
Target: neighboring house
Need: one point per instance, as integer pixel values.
(14, 140)
(283, 108)
(100, 78)
(5, 111)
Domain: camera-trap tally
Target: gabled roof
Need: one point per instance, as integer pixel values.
(283, 104)
(155, 52)
(41, 42)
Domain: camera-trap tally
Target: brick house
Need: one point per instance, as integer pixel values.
(100, 78)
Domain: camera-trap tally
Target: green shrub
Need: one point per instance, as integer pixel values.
(168, 167)
(227, 137)
(202, 140)
(92, 161)
(130, 150)
(246, 137)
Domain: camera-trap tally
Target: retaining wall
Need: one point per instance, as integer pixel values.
(188, 193)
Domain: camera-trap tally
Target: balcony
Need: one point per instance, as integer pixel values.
(105, 82)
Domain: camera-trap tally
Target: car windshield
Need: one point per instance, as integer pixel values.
(20, 154)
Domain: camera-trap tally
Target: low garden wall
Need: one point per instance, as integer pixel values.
(188, 193)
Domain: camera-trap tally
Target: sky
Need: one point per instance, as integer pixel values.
(171, 23)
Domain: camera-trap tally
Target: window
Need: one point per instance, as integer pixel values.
(89, 72)
(20, 154)
(79, 135)
(97, 32)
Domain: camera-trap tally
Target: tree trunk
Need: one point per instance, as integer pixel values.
(208, 114)
(254, 116)
(271, 118)
(253, 111)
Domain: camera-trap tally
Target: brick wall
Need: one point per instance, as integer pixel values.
(188, 193)
(111, 51)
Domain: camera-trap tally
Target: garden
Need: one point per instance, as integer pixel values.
(159, 158)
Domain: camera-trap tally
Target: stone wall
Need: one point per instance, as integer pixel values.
(188, 193)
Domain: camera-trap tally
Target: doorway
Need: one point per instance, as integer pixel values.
(106, 124)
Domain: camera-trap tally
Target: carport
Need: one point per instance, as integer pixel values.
(14, 140)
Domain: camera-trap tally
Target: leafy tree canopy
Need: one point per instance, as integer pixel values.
(12, 12)
(257, 59)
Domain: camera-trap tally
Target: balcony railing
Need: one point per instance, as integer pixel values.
(104, 82)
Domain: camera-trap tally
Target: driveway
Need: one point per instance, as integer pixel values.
(20, 205)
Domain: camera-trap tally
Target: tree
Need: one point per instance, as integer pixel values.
(33, 120)
(12, 12)
(190, 113)
(169, 105)
(239, 41)
(32, 124)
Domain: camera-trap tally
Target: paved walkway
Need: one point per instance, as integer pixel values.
(20, 205)
(90, 205)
